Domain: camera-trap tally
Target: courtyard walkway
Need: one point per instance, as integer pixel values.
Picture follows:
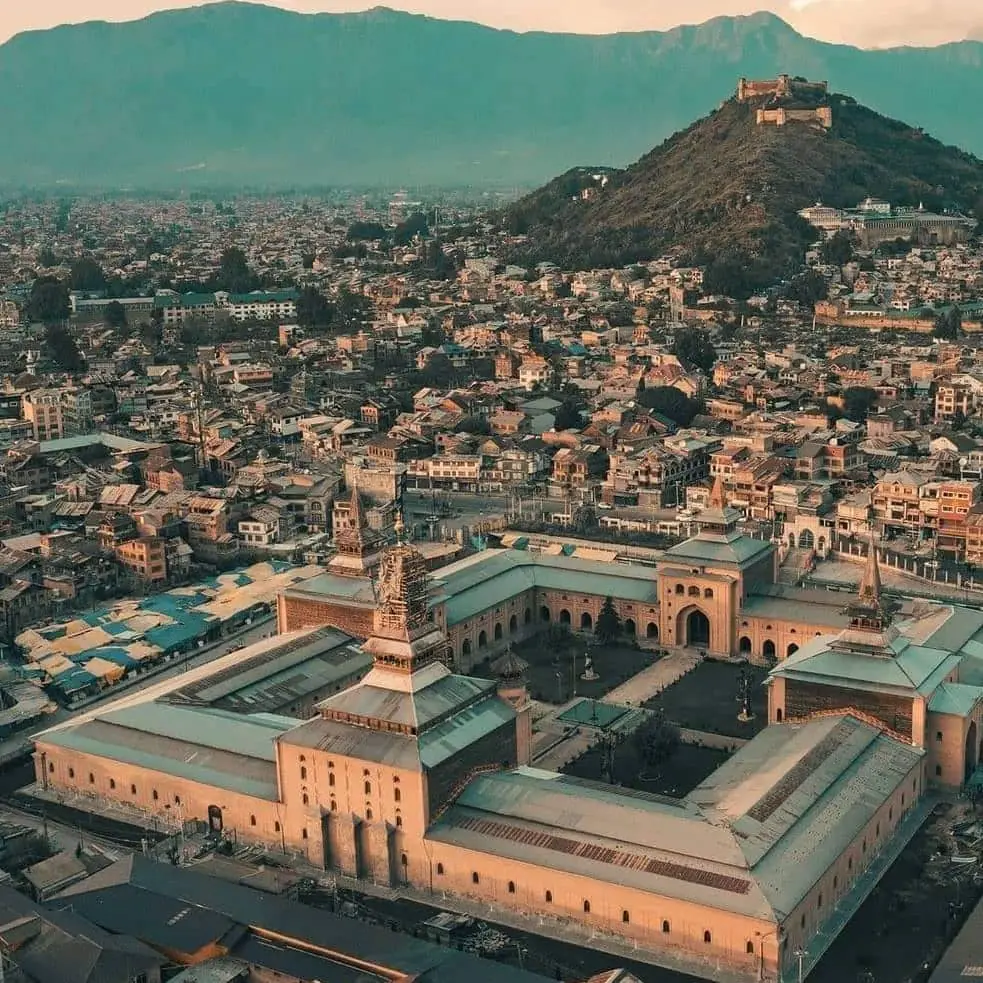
(653, 680)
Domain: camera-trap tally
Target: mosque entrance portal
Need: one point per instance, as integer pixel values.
(697, 628)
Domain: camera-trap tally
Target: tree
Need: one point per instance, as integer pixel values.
(670, 402)
(692, 347)
(585, 519)
(48, 302)
(837, 250)
(858, 402)
(958, 420)
(474, 424)
(234, 274)
(567, 416)
(62, 348)
(656, 740)
(415, 224)
(608, 626)
(47, 257)
(729, 276)
(313, 308)
(949, 324)
(115, 314)
(807, 288)
(87, 274)
(351, 310)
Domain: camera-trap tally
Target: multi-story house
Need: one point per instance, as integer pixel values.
(145, 558)
(896, 504)
(453, 472)
(42, 408)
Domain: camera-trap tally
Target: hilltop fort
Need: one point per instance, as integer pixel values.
(788, 99)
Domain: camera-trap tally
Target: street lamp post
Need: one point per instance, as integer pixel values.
(800, 954)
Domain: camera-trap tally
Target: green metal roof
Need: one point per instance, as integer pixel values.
(955, 698)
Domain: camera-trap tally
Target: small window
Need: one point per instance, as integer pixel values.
(938, 770)
(863, 847)
(331, 780)
(819, 900)
(440, 869)
(112, 783)
(749, 948)
(303, 773)
(403, 859)
(71, 772)
(666, 928)
(707, 937)
(890, 813)
(368, 813)
(938, 737)
(133, 790)
(849, 863)
(586, 907)
(802, 921)
(155, 795)
(303, 834)
(396, 795)
(92, 778)
(334, 806)
(694, 592)
(877, 830)
(276, 827)
(307, 800)
(252, 820)
(368, 788)
(177, 800)
(365, 771)
(708, 593)
(511, 887)
(836, 883)
(475, 879)
(399, 822)
(549, 897)
(51, 767)
(680, 589)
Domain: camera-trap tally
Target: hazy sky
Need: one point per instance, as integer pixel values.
(869, 23)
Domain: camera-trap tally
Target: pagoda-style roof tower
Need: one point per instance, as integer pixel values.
(404, 637)
(359, 547)
(870, 629)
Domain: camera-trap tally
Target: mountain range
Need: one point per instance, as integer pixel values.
(233, 95)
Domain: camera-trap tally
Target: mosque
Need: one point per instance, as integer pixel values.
(420, 776)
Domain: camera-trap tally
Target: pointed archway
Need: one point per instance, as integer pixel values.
(971, 761)
(693, 628)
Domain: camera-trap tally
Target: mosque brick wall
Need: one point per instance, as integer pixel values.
(803, 699)
(295, 612)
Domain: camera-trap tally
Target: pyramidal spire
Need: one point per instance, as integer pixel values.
(717, 496)
(870, 584)
(357, 517)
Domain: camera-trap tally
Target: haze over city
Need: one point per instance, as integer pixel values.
(866, 23)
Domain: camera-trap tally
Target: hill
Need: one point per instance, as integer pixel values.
(726, 186)
(236, 94)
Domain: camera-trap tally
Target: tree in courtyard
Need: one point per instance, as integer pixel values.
(313, 309)
(567, 416)
(608, 626)
(656, 740)
(693, 347)
(949, 324)
(234, 274)
(115, 315)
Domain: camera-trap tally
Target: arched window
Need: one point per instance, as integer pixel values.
(586, 907)
(625, 917)
(549, 897)
(303, 834)
(399, 822)
(303, 773)
(155, 795)
(440, 870)
(252, 820)
(331, 779)
(466, 647)
(513, 624)
(836, 883)
(527, 616)
(368, 788)
(694, 592)
(112, 783)
(403, 859)
(276, 827)
(819, 900)
(71, 772)
(475, 879)
(133, 790)
(707, 937)
(397, 795)
(666, 928)
(708, 593)
(334, 806)
(368, 813)
(177, 800)
(749, 948)
(498, 631)
(307, 800)
(680, 589)
(92, 778)
(482, 639)
(51, 767)
(511, 887)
